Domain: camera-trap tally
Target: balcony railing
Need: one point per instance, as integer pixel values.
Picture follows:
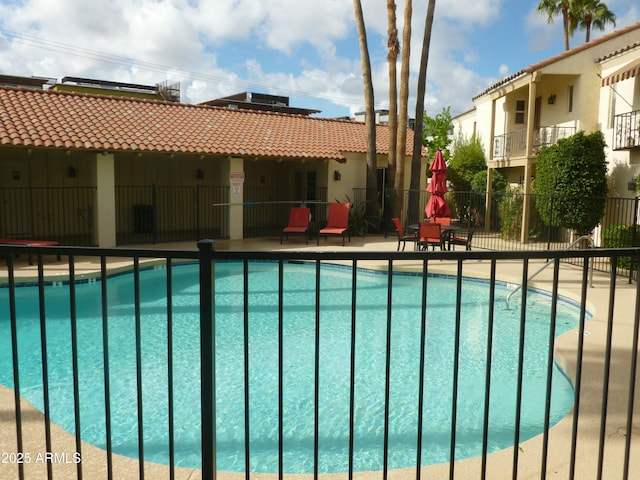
(512, 144)
(551, 135)
(626, 131)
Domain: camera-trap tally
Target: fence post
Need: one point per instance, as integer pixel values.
(207, 359)
(550, 223)
(633, 234)
(154, 209)
(197, 202)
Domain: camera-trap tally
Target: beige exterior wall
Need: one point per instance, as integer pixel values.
(619, 98)
(568, 93)
(465, 124)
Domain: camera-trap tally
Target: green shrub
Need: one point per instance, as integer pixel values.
(571, 180)
(510, 205)
(621, 236)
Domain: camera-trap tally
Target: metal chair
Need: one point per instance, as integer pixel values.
(430, 234)
(403, 236)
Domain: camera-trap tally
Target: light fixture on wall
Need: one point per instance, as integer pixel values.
(336, 175)
(552, 99)
(632, 185)
(71, 172)
(199, 174)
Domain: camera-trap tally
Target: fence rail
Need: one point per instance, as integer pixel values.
(147, 309)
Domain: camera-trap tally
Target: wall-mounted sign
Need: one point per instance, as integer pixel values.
(236, 179)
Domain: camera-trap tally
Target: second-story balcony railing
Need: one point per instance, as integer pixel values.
(514, 144)
(626, 131)
(550, 135)
(508, 145)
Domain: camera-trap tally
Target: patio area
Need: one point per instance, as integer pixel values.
(499, 465)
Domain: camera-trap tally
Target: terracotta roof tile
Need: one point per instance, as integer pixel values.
(97, 122)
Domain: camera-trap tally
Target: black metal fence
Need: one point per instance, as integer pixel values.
(153, 214)
(266, 210)
(498, 218)
(148, 309)
(65, 214)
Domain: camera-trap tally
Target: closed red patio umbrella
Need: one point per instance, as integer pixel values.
(437, 206)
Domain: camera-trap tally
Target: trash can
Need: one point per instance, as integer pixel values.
(143, 218)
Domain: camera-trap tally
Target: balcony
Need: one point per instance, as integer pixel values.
(514, 144)
(626, 131)
(550, 135)
(509, 145)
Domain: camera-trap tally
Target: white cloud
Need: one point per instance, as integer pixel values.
(302, 48)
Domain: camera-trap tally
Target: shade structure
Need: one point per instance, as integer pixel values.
(437, 205)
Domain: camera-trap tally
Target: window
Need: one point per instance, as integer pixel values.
(570, 106)
(520, 111)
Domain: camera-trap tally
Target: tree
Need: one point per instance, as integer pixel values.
(393, 46)
(403, 114)
(593, 13)
(435, 134)
(479, 182)
(416, 158)
(466, 161)
(560, 7)
(370, 118)
(571, 182)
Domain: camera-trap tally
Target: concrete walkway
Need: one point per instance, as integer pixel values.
(500, 464)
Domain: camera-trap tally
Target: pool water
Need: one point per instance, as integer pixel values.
(299, 340)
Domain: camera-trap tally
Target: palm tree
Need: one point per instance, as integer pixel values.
(593, 13)
(564, 8)
(371, 208)
(416, 158)
(393, 46)
(403, 114)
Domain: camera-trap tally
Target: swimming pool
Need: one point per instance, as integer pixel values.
(299, 337)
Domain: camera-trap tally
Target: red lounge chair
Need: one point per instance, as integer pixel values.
(403, 236)
(429, 234)
(298, 223)
(30, 243)
(337, 222)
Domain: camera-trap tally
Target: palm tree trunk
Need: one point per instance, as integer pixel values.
(565, 26)
(392, 57)
(403, 114)
(371, 208)
(416, 158)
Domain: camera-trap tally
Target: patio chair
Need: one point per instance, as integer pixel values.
(429, 234)
(403, 236)
(444, 221)
(464, 241)
(298, 223)
(337, 222)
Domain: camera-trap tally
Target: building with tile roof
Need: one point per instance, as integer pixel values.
(594, 86)
(120, 148)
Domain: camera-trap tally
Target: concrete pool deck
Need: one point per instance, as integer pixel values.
(499, 464)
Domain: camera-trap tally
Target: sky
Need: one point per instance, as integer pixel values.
(304, 49)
